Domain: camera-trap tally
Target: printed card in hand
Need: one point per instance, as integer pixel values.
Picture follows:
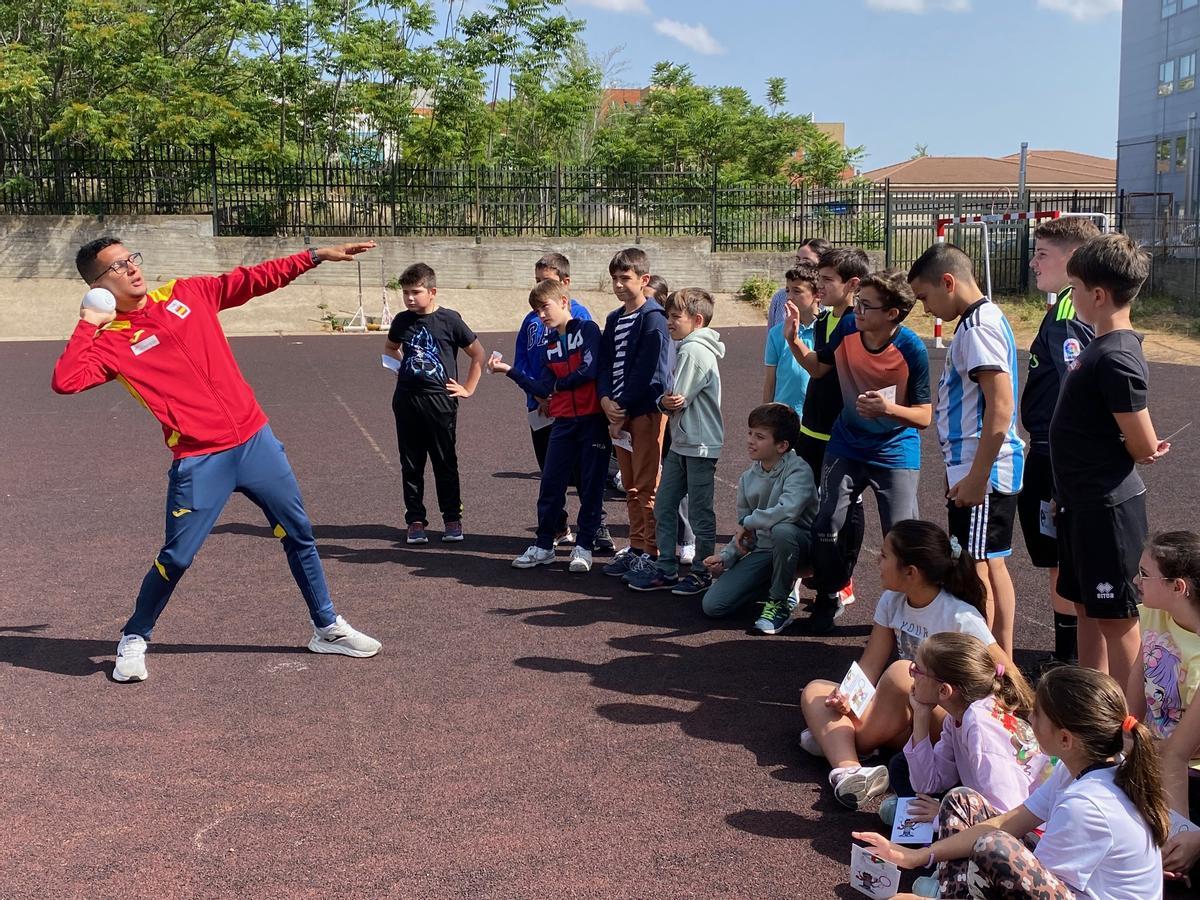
(906, 830)
(1179, 824)
(857, 689)
(390, 362)
(1046, 524)
(888, 393)
(623, 440)
(871, 875)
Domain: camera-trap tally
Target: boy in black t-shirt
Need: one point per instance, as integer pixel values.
(1101, 428)
(425, 339)
(1060, 339)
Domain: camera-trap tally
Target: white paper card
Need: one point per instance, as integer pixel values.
(1046, 519)
(390, 362)
(1179, 824)
(858, 690)
(906, 830)
(537, 421)
(888, 393)
(624, 440)
(871, 875)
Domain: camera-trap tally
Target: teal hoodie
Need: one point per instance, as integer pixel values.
(697, 429)
(764, 499)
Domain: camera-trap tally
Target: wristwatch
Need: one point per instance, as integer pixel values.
(312, 254)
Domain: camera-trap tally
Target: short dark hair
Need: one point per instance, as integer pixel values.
(85, 258)
(1071, 231)
(805, 275)
(817, 245)
(848, 262)
(692, 302)
(659, 287)
(893, 291)
(555, 261)
(418, 275)
(939, 260)
(780, 419)
(631, 259)
(1113, 262)
(546, 289)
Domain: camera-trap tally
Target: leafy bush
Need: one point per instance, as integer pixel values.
(758, 290)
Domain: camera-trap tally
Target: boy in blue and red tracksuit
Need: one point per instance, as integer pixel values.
(167, 348)
(579, 435)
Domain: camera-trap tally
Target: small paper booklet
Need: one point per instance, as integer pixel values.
(872, 875)
(907, 831)
(623, 440)
(888, 393)
(390, 362)
(857, 689)
(1179, 824)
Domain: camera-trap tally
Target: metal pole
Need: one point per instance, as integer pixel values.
(714, 209)
(1022, 172)
(887, 223)
(1189, 195)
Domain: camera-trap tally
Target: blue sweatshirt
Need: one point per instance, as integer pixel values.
(646, 366)
(529, 358)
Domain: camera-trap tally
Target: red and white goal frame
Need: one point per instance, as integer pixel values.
(986, 220)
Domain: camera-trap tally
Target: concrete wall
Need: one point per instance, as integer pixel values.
(40, 291)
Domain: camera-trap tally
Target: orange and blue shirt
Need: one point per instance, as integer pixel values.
(901, 364)
(173, 357)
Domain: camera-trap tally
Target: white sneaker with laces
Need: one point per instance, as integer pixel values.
(855, 786)
(532, 557)
(686, 554)
(581, 560)
(131, 659)
(809, 744)
(341, 638)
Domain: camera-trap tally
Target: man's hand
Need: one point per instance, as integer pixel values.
(344, 252)
(715, 565)
(1160, 451)
(672, 402)
(97, 317)
(454, 389)
(872, 405)
(969, 492)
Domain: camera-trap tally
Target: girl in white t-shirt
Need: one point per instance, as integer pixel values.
(1163, 690)
(1103, 815)
(931, 586)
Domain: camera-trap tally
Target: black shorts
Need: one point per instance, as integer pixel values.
(984, 531)
(1038, 489)
(1098, 551)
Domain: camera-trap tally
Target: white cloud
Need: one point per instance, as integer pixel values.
(617, 6)
(1082, 10)
(919, 6)
(694, 37)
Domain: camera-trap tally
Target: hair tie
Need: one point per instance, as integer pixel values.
(999, 670)
(955, 548)
(1128, 724)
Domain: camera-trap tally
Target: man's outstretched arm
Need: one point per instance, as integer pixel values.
(246, 282)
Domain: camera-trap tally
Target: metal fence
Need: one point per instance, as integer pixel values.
(495, 201)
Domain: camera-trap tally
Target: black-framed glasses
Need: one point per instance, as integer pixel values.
(859, 306)
(121, 266)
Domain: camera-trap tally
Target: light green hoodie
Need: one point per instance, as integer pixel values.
(697, 430)
(764, 499)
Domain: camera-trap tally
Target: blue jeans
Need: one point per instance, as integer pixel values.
(198, 488)
(578, 449)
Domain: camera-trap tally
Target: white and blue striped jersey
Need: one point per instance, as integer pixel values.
(983, 342)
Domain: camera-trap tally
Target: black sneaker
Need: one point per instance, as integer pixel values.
(820, 620)
(603, 542)
(692, 584)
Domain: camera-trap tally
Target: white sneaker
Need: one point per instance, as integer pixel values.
(809, 744)
(532, 557)
(581, 560)
(857, 785)
(686, 554)
(131, 659)
(341, 638)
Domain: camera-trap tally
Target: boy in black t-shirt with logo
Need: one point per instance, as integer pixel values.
(1100, 430)
(426, 338)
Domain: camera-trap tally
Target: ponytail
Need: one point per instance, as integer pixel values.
(1091, 706)
(926, 547)
(963, 662)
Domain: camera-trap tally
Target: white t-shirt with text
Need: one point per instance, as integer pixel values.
(912, 625)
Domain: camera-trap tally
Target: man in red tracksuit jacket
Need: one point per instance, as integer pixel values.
(167, 348)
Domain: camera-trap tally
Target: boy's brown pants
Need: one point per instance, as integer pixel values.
(639, 475)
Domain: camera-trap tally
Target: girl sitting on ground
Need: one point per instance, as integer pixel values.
(1104, 814)
(986, 743)
(1162, 691)
(930, 586)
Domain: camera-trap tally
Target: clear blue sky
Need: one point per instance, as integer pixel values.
(1043, 71)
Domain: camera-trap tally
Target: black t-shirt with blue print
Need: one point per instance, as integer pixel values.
(429, 346)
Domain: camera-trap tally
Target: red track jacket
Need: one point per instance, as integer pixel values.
(174, 358)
